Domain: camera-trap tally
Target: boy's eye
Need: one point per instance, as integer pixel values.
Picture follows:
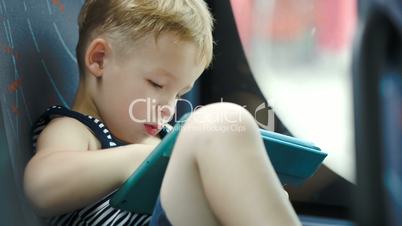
(154, 84)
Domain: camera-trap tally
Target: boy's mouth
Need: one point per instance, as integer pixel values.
(152, 129)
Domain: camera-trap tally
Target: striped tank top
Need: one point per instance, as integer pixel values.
(99, 212)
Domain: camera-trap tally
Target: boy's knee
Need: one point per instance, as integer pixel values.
(218, 127)
(224, 114)
(217, 120)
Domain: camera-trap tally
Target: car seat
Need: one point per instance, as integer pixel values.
(38, 68)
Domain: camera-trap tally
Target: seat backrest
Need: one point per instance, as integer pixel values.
(38, 68)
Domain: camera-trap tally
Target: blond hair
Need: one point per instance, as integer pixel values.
(129, 20)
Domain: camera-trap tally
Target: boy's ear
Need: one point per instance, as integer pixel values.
(95, 56)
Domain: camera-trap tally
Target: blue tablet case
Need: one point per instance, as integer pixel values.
(294, 161)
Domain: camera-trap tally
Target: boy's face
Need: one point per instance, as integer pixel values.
(137, 93)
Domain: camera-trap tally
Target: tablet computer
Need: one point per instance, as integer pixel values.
(140, 191)
(294, 160)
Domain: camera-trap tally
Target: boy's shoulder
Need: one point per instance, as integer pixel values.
(66, 133)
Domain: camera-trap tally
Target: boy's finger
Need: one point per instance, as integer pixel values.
(286, 194)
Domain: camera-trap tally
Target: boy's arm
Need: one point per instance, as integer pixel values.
(64, 176)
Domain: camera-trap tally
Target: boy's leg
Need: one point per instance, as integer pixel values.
(217, 177)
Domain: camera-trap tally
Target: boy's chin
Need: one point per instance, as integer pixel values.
(151, 140)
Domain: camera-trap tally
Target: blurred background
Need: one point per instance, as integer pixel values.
(326, 71)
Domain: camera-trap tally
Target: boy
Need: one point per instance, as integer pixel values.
(132, 50)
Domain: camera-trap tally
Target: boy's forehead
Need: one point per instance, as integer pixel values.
(167, 55)
(167, 41)
(171, 48)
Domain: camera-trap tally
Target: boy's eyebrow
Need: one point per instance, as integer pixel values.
(165, 72)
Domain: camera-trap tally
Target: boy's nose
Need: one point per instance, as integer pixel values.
(166, 112)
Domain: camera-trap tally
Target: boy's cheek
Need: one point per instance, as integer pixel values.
(137, 112)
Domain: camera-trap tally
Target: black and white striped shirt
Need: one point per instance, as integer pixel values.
(100, 212)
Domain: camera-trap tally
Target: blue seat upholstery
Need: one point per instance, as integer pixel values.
(37, 68)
